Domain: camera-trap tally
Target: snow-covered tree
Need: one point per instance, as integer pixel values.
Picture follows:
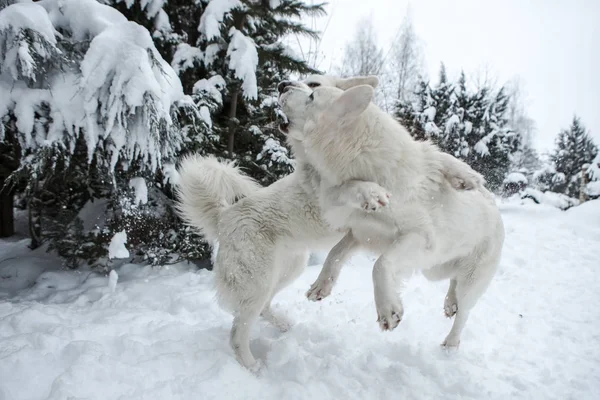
(525, 160)
(88, 103)
(574, 149)
(237, 57)
(592, 189)
(469, 124)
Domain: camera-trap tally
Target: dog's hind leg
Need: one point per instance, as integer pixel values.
(393, 268)
(289, 270)
(337, 257)
(243, 287)
(243, 321)
(447, 270)
(468, 286)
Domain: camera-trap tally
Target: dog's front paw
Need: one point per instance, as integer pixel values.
(371, 196)
(451, 343)
(389, 317)
(319, 290)
(450, 306)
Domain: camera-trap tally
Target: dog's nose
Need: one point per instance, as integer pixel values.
(282, 85)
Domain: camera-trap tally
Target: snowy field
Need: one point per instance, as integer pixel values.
(158, 334)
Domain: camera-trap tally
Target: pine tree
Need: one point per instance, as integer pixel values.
(232, 62)
(574, 148)
(84, 121)
(470, 125)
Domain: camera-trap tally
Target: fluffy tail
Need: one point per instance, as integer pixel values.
(207, 187)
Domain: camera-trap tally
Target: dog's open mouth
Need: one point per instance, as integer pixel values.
(284, 123)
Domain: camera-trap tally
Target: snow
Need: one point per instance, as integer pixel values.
(429, 113)
(117, 248)
(468, 127)
(21, 16)
(553, 199)
(85, 19)
(243, 59)
(118, 71)
(594, 168)
(120, 97)
(593, 188)
(25, 30)
(113, 278)
(210, 54)
(140, 190)
(205, 115)
(275, 152)
(186, 57)
(481, 148)
(162, 22)
(171, 174)
(161, 335)
(452, 121)
(432, 129)
(212, 87)
(515, 177)
(213, 15)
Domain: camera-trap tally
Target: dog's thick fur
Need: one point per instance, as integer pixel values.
(449, 234)
(264, 238)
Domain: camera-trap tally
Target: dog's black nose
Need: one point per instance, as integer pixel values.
(282, 85)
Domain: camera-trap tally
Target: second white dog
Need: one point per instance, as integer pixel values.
(449, 234)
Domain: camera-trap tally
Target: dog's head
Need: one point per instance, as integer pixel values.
(316, 100)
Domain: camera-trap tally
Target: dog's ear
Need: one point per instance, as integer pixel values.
(352, 102)
(348, 83)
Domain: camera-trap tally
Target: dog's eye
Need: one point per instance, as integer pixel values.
(314, 84)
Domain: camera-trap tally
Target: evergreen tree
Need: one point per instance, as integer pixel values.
(92, 142)
(574, 149)
(88, 110)
(470, 125)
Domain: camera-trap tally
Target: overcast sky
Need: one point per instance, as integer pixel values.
(553, 46)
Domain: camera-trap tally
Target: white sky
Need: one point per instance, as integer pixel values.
(553, 46)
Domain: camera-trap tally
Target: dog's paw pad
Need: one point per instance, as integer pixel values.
(372, 197)
(319, 290)
(389, 320)
(450, 309)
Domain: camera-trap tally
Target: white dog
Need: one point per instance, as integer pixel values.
(265, 234)
(449, 234)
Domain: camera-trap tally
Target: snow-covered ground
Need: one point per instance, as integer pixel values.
(534, 335)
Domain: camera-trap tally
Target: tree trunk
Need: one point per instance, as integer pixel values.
(583, 197)
(232, 120)
(7, 216)
(35, 218)
(239, 20)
